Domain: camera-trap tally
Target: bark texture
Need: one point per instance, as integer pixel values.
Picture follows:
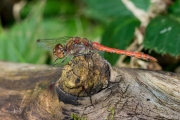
(30, 92)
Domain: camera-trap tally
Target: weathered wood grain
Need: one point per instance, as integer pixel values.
(28, 92)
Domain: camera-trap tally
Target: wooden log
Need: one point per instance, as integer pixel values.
(29, 92)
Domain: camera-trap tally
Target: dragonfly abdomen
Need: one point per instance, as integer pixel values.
(123, 52)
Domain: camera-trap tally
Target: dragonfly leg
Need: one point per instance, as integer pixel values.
(54, 63)
(89, 95)
(88, 57)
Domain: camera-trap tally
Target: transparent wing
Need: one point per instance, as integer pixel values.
(49, 44)
(62, 62)
(101, 53)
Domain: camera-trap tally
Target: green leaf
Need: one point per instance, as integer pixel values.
(52, 8)
(119, 34)
(174, 8)
(53, 28)
(142, 4)
(163, 36)
(59, 7)
(103, 9)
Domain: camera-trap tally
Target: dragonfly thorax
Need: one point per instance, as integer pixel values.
(59, 51)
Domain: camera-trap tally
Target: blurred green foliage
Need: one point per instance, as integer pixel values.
(107, 20)
(119, 35)
(18, 44)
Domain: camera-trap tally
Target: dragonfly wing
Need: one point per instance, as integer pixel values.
(101, 53)
(62, 62)
(49, 44)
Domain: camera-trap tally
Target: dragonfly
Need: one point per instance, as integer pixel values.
(64, 47)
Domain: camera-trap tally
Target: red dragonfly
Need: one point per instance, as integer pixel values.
(75, 46)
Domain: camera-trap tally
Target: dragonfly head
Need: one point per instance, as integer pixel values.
(59, 51)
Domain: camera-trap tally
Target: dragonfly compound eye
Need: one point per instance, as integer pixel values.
(58, 51)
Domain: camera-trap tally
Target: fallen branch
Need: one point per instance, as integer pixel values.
(28, 92)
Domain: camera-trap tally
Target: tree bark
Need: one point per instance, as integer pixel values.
(30, 92)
